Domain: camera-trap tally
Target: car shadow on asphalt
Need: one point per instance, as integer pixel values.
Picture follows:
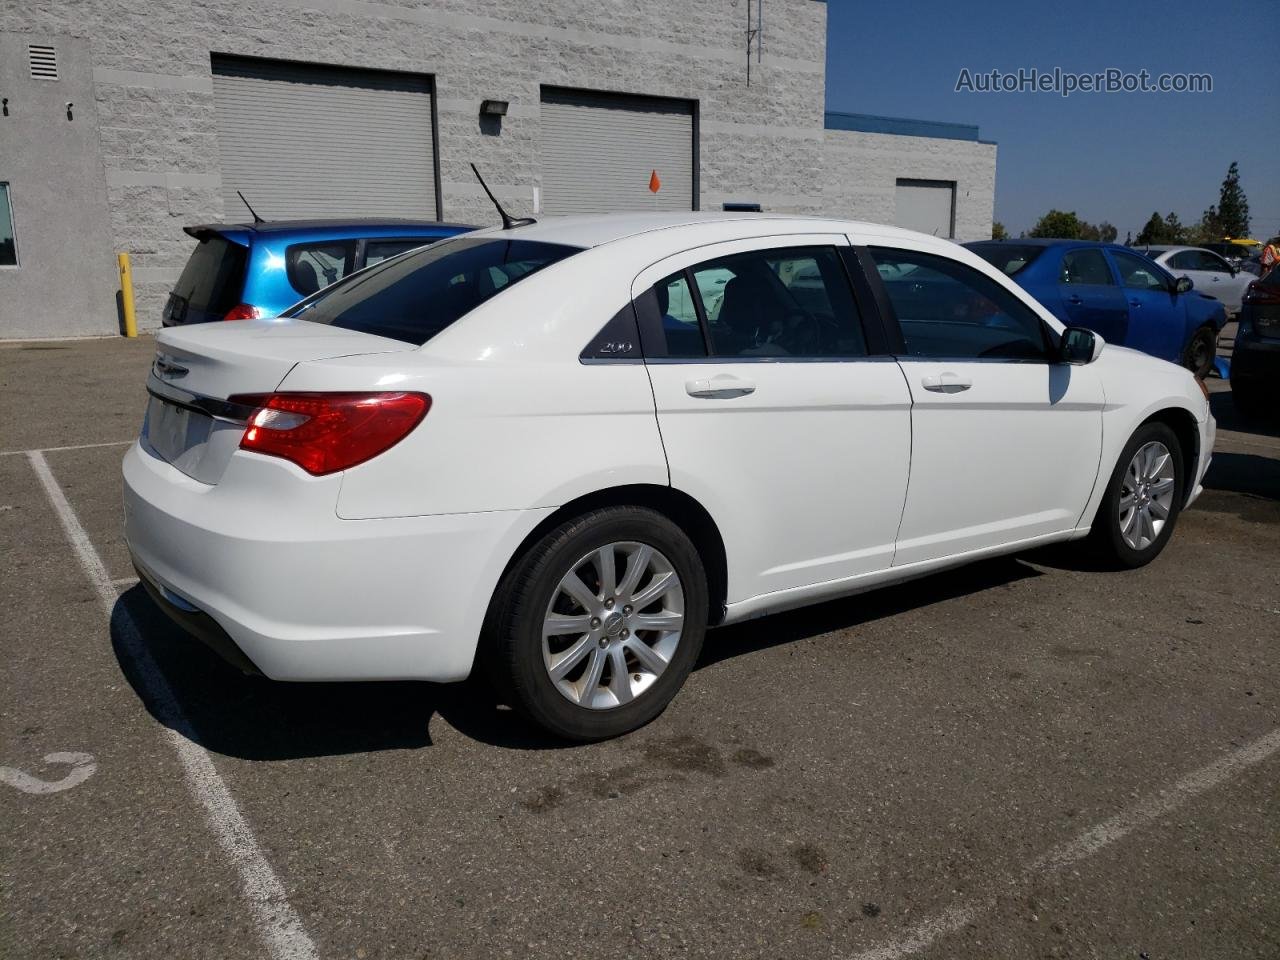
(257, 719)
(1222, 406)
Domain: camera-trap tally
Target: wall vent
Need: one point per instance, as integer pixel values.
(44, 62)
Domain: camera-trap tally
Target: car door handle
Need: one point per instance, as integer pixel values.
(1074, 300)
(946, 383)
(723, 387)
(1135, 303)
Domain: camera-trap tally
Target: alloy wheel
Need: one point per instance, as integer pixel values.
(1146, 495)
(613, 625)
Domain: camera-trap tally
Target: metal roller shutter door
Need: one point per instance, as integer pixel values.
(307, 141)
(598, 152)
(927, 206)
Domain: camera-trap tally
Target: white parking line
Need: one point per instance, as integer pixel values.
(278, 923)
(74, 446)
(1085, 845)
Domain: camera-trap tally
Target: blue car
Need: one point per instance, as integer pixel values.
(244, 271)
(1115, 291)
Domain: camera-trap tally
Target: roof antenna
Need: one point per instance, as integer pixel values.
(256, 218)
(507, 221)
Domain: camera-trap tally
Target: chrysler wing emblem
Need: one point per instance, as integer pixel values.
(168, 369)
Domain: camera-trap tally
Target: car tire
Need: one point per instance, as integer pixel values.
(1128, 530)
(1201, 351)
(630, 662)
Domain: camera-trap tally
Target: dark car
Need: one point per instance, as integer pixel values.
(1117, 292)
(244, 271)
(1255, 362)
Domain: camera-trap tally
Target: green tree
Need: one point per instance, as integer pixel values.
(1058, 224)
(1174, 231)
(1233, 207)
(1153, 231)
(1209, 229)
(998, 232)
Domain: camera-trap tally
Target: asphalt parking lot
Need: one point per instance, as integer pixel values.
(1025, 758)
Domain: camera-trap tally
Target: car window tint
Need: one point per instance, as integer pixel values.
(1085, 267)
(679, 317)
(414, 297)
(1208, 261)
(314, 266)
(789, 302)
(1138, 273)
(375, 251)
(949, 310)
(1008, 258)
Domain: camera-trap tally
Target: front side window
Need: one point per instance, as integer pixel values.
(8, 240)
(313, 266)
(1137, 273)
(947, 310)
(1210, 262)
(414, 297)
(789, 302)
(1085, 267)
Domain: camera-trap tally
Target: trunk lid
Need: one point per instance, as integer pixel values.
(189, 422)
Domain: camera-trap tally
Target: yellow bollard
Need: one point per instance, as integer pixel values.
(126, 295)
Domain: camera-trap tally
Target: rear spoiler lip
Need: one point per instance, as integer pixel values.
(203, 231)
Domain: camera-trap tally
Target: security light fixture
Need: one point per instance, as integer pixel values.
(493, 108)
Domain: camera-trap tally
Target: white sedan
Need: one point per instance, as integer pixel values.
(1208, 272)
(541, 451)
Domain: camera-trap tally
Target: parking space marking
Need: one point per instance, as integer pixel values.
(83, 766)
(1085, 845)
(278, 923)
(74, 446)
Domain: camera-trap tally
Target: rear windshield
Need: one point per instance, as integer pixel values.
(414, 297)
(214, 276)
(1007, 257)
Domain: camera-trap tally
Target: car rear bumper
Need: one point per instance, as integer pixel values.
(272, 575)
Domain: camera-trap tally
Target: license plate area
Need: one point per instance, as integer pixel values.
(175, 433)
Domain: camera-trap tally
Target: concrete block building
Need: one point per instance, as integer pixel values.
(122, 122)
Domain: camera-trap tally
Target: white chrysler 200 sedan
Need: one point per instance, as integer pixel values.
(561, 451)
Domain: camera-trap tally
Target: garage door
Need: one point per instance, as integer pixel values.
(927, 206)
(307, 141)
(599, 153)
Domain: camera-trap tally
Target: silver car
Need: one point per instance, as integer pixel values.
(1209, 273)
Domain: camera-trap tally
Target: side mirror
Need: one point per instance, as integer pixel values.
(1079, 346)
(1183, 285)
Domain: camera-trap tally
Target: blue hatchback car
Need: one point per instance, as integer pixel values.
(244, 271)
(1117, 292)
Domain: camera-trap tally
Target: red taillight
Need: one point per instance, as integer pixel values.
(326, 432)
(1258, 292)
(243, 311)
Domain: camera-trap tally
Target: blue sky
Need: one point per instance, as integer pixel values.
(1114, 157)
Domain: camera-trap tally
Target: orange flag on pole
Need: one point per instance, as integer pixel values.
(654, 183)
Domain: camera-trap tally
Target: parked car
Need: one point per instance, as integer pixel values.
(1209, 272)
(245, 271)
(1255, 359)
(492, 452)
(1117, 292)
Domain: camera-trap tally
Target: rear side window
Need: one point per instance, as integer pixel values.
(1008, 258)
(414, 297)
(213, 279)
(787, 302)
(375, 251)
(950, 311)
(314, 266)
(1085, 268)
